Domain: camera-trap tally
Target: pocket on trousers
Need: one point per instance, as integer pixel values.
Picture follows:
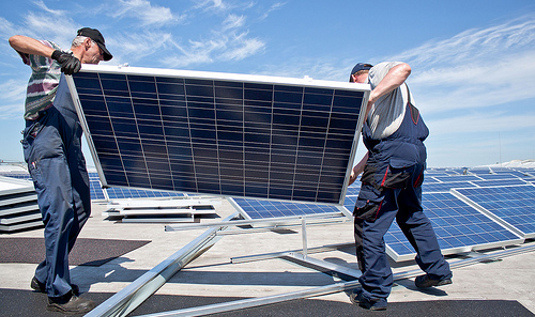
(369, 202)
(399, 174)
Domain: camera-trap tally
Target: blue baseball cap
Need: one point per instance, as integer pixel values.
(359, 67)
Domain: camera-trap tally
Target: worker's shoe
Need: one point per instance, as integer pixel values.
(423, 281)
(375, 304)
(41, 287)
(70, 304)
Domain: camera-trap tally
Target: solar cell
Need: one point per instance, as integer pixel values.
(514, 205)
(225, 134)
(458, 226)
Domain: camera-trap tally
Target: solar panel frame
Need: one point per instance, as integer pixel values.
(255, 83)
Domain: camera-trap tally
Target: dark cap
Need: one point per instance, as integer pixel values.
(359, 67)
(96, 36)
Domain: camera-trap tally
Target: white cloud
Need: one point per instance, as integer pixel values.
(233, 21)
(44, 7)
(146, 12)
(12, 100)
(13, 90)
(482, 122)
(274, 7)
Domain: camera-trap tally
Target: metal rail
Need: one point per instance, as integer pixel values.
(323, 290)
(129, 298)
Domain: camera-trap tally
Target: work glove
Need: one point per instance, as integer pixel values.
(69, 63)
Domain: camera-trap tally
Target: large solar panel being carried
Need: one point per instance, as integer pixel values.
(226, 134)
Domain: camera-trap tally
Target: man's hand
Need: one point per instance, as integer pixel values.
(69, 63)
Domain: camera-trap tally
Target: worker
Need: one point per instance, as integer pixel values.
(52, 149)
(392, 174)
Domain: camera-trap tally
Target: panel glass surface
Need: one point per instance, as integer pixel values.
(514, 205)
(266, 209)
(240, 139)
(457, 225)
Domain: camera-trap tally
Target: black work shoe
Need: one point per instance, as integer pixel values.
(41, 287)
(71, 306)
(357, 298)
(423, 281)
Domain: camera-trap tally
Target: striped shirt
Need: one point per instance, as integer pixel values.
(43, 82)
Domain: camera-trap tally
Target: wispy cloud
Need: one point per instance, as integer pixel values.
(475, 69)
(274, 7)
(44, 7)
(147, 13)
(12, 99)
(233, 21)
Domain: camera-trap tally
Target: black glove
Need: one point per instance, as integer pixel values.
(69, 63)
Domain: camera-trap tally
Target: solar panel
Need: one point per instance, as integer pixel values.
(251, 208)
(514, 205)
(497, 176)
(444, 187)
(224, 134)
(122, 193)
(457, 178)
(458, 226)
(500, 182)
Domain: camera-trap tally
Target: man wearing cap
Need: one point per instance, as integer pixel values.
(52, 149)
(391, 188)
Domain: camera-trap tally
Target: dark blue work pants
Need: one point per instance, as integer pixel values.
(391, 188)
(57, 166)
(404, 205)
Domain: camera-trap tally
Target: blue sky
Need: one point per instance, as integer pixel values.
(473, 62)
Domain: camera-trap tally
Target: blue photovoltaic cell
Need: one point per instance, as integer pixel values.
(122, 193)
(456, 224)
(514, 205)
(224, 137)
(457, 178)
(443, 187)
(265, 209)
(500, 182)
(496, 176)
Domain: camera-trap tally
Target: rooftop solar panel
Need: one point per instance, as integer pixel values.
(500, 182)
(497, 176)
(457, 178)
(513, 205)
(444, 187)
(225, 134)
(123, 193)
(458, 226)
(266, 209)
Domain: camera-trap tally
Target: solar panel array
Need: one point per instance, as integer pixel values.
(98, 193)
(513, 204)
(188, 132)
(459, 224)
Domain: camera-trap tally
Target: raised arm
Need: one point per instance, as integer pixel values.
(392, 80)
(28, 45)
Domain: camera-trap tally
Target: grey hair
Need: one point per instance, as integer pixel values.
(79, 40)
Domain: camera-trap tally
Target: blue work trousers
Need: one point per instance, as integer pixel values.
(385, 205)
(58, 169)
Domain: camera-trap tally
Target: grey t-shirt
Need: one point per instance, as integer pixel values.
(387, 113)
